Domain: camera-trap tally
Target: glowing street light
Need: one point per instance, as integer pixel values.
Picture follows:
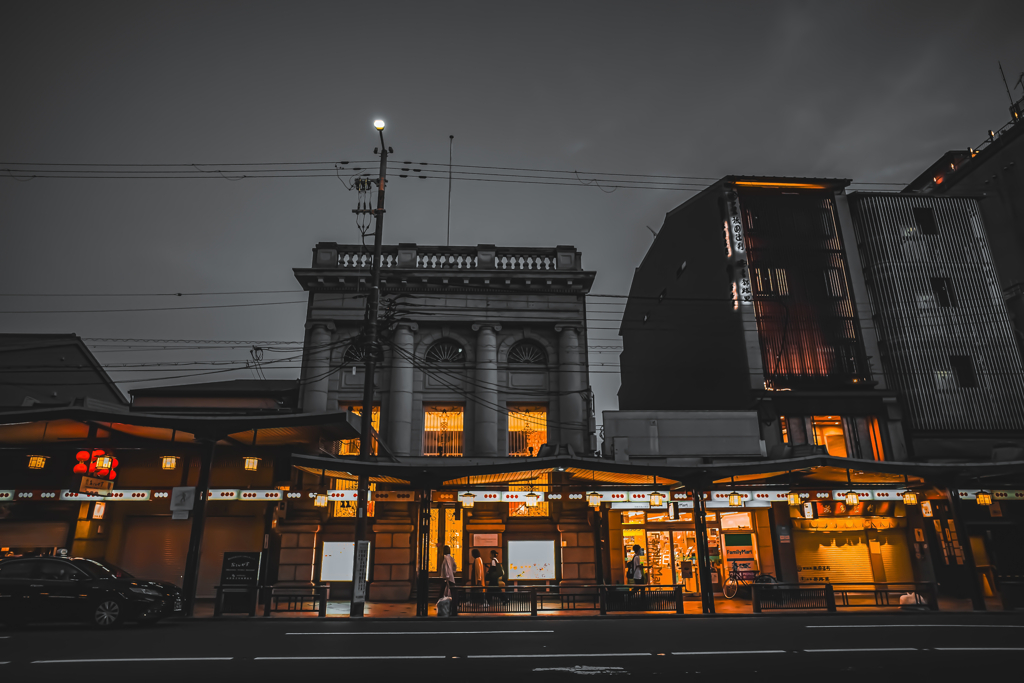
(468, 499)
(379, 124)
(169, 462)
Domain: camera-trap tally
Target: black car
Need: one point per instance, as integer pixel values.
(77, 589)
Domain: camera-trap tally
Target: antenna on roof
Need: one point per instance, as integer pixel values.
(1005, 85)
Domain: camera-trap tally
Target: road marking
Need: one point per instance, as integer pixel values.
(133, 659)
(571, 654)
(377, 657)
(404, 633)
(734, 652)
(921, 626)
(979, 649)
(867, 649)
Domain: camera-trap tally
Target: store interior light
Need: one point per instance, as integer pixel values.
(37, 462)
(909, 497)
(169, 462)
(735, 499)
(983, 497)
(468, 499)
(794, 499)
(657, 499)
(532, 499)
(594, 499)
(251, 463)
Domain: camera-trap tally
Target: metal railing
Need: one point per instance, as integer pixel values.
(495, 600)
(830, 596)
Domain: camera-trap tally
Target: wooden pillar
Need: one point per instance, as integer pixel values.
(973, 580)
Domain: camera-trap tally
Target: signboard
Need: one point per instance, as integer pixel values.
(336, 561)
(100, 487)
(531, 560)
(183, 498)
(926, 508)
(240, 569)
(485, 540)
(361, 570)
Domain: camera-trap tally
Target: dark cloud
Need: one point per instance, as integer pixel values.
(872, 91)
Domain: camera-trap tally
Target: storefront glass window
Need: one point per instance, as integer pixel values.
(347, 508)
(527, 430)
(442, 432)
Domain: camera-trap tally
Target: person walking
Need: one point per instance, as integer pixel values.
(448, 575)
(495, 575)
(477, 578)
(635, 567)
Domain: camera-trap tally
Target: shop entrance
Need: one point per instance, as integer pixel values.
(445, 530)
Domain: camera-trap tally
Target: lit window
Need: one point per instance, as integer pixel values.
(785, 429)
(540, 484)
(828, 432)
(351, 446)
(527, 430)
(347, 508)
(450, 535)
(442, 431)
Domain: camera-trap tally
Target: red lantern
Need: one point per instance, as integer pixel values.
(112, 476)
(113, 463)
(102, 473)
(92, 467)
(98, 452)
(81, 468)
(83, 456)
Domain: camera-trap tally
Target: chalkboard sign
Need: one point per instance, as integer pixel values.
(240, 569)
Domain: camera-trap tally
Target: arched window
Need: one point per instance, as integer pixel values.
(354, 354)
(527, 352)
(446, 351)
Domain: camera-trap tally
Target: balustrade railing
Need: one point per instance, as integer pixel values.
(413, 256)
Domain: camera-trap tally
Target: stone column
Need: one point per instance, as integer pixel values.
(486, 410)
(572, 407)
(318, 364)
(400, 400)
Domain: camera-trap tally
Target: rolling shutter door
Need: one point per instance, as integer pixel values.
(155, 548)
(839, 557)
(33, 534)
(895, 555)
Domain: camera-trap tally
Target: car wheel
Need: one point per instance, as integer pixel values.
(108, 612)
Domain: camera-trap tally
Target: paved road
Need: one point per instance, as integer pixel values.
(773, 648)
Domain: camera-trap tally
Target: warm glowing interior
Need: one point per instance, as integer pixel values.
(527, 430)
(442, 431)
(351, 446)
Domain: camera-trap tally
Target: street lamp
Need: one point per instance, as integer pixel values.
(909, 497)
(379, 124)
(735, 499)
(250, 463)
(794, 498)
(983, 497)
(169, 462)
(852, 498)
(468, 499)
(531, 499)
(594, 500)
(320, 500)
(37, 462)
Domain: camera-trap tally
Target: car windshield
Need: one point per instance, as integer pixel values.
(102, 570)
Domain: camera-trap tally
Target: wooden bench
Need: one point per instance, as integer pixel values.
(296, 599)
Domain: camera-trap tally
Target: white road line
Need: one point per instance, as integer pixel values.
(404, 633)
(377, 657)
(867, 649)
(571, 654)
(921, 626)
(979, 649)
(133, 659)
(734, 652)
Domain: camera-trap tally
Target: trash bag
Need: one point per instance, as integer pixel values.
(444, 607)
(912, 601)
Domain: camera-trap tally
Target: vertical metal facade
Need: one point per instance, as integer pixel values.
(927, 330)
(806, 321)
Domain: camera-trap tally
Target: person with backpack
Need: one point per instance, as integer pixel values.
(635, 567)
(495, 575)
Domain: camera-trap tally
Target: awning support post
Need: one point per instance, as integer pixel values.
(423, 557)
(973, 580)
(707, 594)
(195, 541)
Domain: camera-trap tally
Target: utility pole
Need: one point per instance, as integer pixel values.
(371, 350)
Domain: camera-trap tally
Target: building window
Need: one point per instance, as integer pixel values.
(347, 508)
(834, 283)
(828, 432)
(943, 289)
(785, 429)
(442, 431)
(925, 219)
(446, 351)
(770, 282)
(354, 354)
(527, 352)
(351, 446)
(963, 369)
(527, 430)
(541, 484)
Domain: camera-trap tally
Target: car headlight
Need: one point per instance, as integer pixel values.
(144, 591)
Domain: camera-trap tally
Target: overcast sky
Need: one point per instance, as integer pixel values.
(868, 91)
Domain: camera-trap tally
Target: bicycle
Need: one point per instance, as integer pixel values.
(731, 587)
